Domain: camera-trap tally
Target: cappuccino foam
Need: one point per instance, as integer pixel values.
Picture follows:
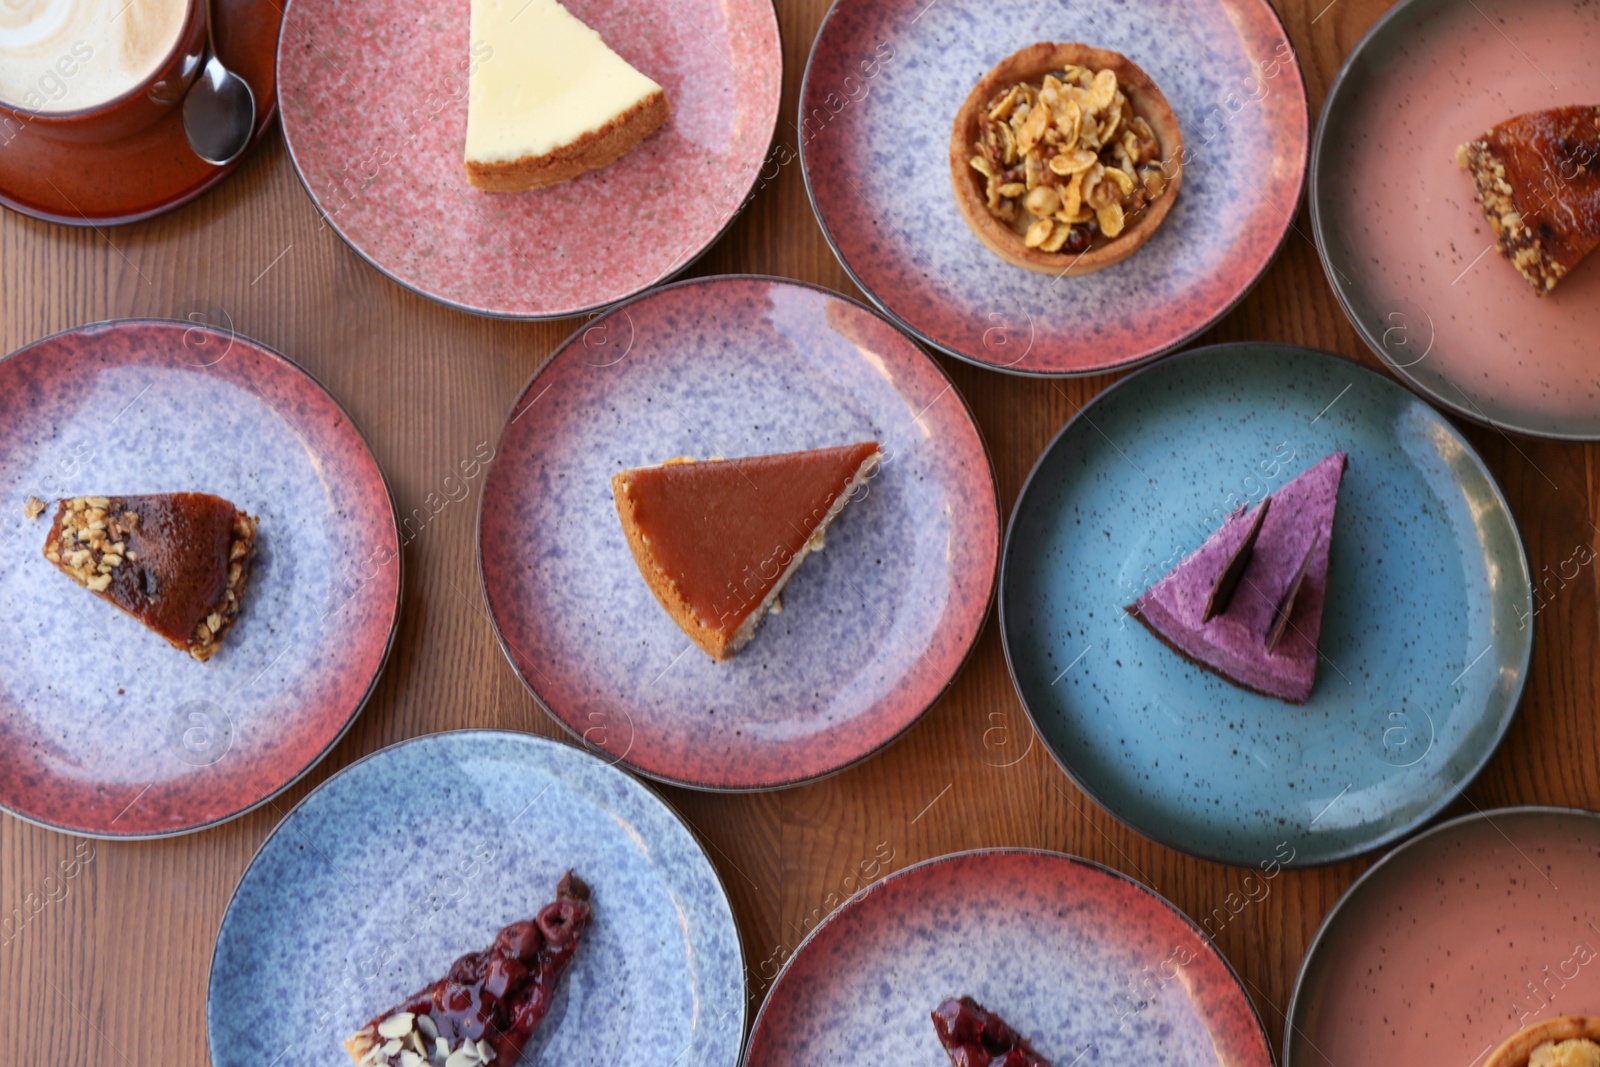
(64, 55)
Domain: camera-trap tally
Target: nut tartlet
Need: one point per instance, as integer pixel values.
(1519, 1049)
(1012, 177)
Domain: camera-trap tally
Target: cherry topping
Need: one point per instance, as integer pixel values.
(976, 1037)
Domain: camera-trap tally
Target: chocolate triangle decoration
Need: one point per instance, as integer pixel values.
(1228, 580)
(1286, 607)
(1259, 627)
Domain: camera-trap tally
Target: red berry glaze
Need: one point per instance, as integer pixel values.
(976, 1037)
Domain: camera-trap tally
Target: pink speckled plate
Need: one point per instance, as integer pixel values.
(107, 730)
(1089, 965)
(1454, 941)
(374, 103)
(872, 629)
(882, 88)
(1407, 248)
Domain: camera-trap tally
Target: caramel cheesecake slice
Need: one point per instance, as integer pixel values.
(177, 562)
(547, 99)
(1538, 181)
(718, 540)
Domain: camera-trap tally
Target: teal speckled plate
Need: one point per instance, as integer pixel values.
(1426, 637)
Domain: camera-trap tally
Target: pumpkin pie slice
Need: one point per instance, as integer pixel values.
(973, 1036)
(177, 562)
(488, 1007)
(1247, 604)
(547, 98)
(1538, 181)
(718, 540)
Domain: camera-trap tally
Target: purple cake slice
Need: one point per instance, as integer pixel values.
(1265, 636)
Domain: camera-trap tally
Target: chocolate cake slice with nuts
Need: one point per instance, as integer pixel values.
(1538, 182)
(177, 562)
(487, 1008)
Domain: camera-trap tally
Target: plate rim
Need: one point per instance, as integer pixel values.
(966, 656)
(671, 273)
(518, 737)
(1402, 374)
(1514, 706)
(1134, 362)
(399, 595)
(1095, 866)
(1315, 944)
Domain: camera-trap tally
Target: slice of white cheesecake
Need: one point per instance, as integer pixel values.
(548, 99)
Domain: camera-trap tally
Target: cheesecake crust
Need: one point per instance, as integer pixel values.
(598, 148)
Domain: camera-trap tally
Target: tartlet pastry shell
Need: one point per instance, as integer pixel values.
(1030, 65)
(1515, 1050)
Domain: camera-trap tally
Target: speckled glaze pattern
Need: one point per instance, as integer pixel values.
(872, 629)
(882, 88)
(400, 863)
(151, 172)
(375, 116)
(1410, 255)
(1090, 966)
(1453, 942)
(1427, 631)
(105, 729)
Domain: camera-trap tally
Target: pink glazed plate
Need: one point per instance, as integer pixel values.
(375, 115)
(882, 88)
(1453, 942)
(1086, 963)
(872, 629)
(107, 730)
(1404, 242)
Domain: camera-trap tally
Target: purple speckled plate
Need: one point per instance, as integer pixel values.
(882, 88)
(107, 730)
(1089, 965)
(374, 106)
(872, 629)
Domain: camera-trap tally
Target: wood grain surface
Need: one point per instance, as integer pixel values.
(110, 967)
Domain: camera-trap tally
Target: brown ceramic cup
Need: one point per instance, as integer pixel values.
(141, 105)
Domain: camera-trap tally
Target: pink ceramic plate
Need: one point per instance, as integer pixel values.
(107, 730)
(882, 88)
(872, 629)
(1407, 248)
(1454, 941)
(1089, 965)
(374, 104)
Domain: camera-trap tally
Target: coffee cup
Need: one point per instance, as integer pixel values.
(95, 70)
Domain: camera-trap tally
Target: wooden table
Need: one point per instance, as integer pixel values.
(112, 969)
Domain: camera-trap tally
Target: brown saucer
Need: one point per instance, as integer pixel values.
(154, 170)
(1515, 1050)
(1031, 64)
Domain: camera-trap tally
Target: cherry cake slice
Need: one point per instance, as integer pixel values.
(487, 1008)
(976, 1037)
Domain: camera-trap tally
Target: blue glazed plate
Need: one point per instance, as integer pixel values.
(1426, 636)
(419, 853)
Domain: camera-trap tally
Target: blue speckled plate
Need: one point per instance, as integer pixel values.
(1426, 637)
(1087, 964)
(400, 863)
